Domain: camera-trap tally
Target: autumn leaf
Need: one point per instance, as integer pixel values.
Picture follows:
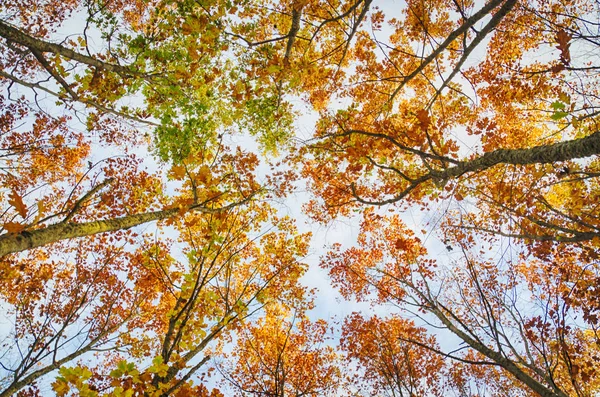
(60, 386)
(177, 172)
(41, 208)
(424, 119)
(401, 244)
(13, 227)
(204, 175)
(17, 202)
(563, 38)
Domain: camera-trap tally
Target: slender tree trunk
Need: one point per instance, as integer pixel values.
(544, 154)
(32, 377)
(17, 242)
(15, 35)
(493, 355)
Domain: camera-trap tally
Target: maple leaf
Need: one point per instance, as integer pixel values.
(60, 386)
(177, 172)
(401, 244)
(17, 202)
(204, 175)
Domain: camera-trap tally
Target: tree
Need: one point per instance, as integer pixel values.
(445, 106)
(529, 127)
(176, 58)
(87, 215)
(281, 356)
(521, 316)
(62, 310)
(101, 84)
(391, 357)
(507, 145)
(132, 305)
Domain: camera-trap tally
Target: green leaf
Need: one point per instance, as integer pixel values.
(557, 105)
(116, 373)
(559, 115)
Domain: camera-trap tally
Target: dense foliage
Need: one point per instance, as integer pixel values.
(143, 251)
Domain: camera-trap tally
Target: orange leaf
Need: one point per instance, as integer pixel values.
(17, 202)
(204, 175)
(13, 227)
(424, 120)
(177, 172)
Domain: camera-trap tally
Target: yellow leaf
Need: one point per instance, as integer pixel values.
(61, 387)
(40, 211)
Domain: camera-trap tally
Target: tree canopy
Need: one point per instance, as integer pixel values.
(148, 150)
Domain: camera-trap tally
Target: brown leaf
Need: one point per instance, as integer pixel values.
(563, 38)
(401, 244)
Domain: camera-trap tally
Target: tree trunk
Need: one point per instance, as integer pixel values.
(17, 242)
(495, 356)
(544, 154)
(15, 35)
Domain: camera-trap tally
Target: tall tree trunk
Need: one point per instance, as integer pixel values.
(15, 35)
(496, 357)
(17, 242)
(543, 154)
